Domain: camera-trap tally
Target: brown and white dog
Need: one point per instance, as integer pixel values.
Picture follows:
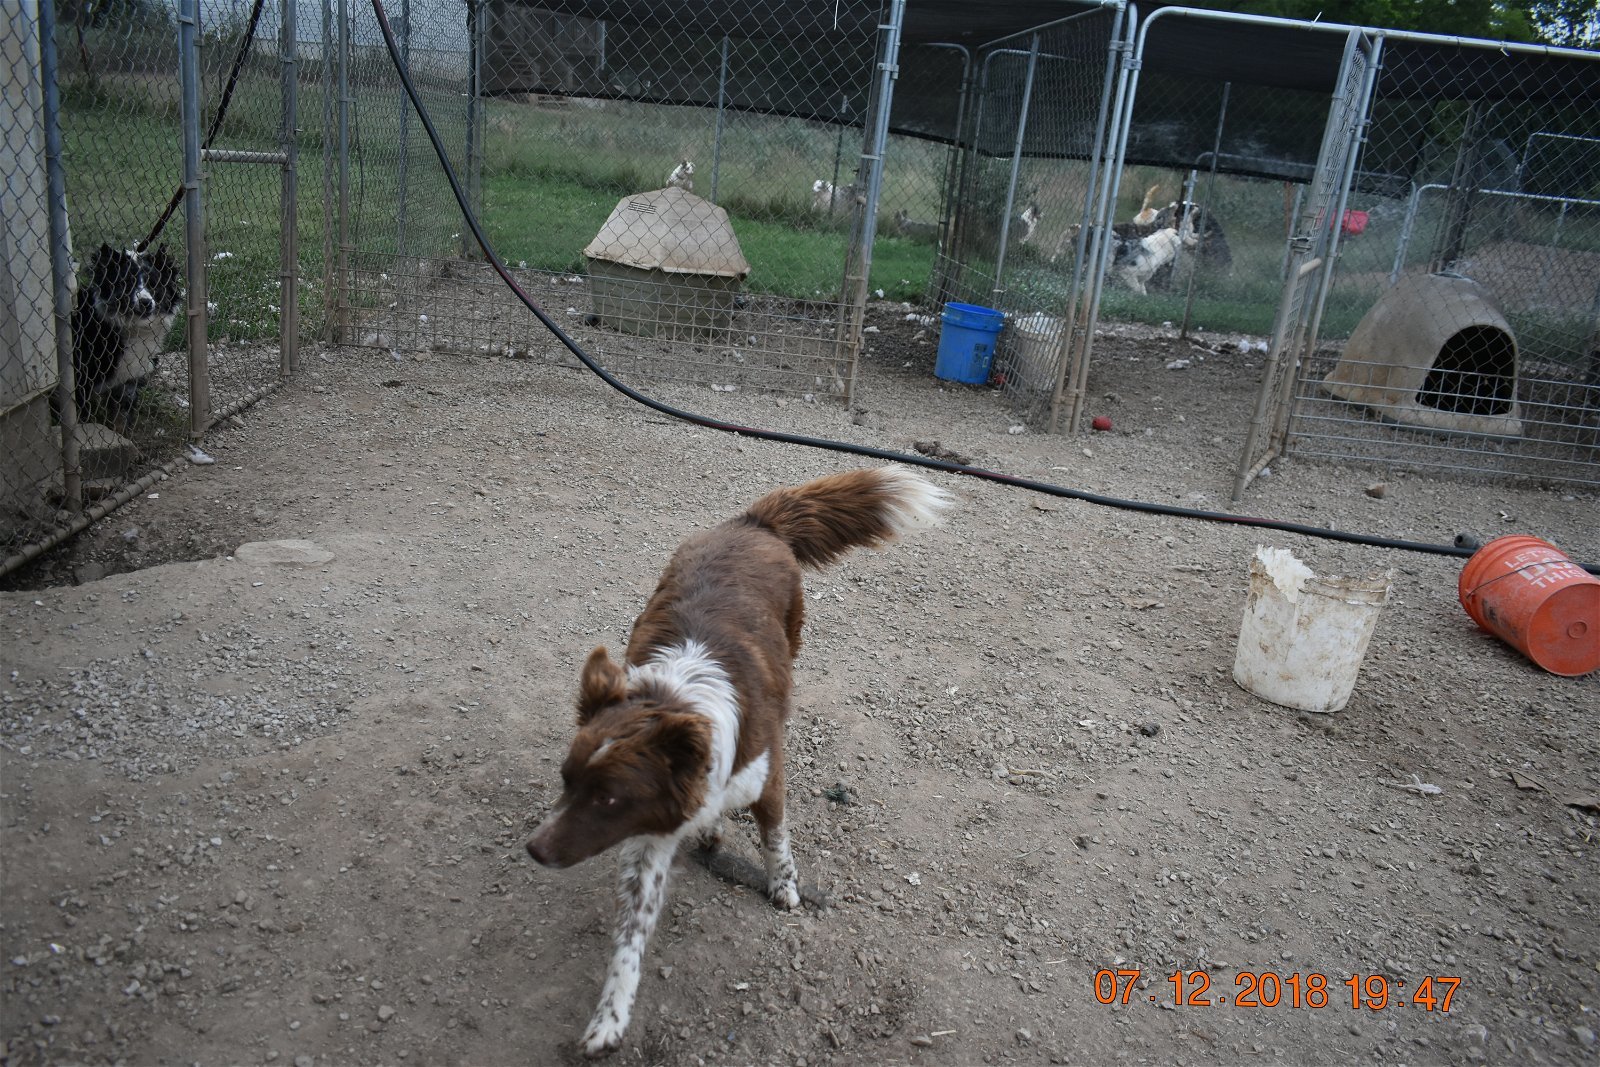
(691, 724)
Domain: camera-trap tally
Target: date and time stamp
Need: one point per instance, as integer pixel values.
(1270, 989)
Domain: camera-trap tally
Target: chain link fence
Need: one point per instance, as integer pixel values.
(1024, 184)
(34, 300)
(1462, 330)
(579, 137)
(1408, 230)
(1019, 174)
(163, 134)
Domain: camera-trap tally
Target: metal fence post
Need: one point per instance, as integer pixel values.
(876, 138)
(1016, 163)
(193, 214)
(722, 112)
(1096, 249)
(289, 236)
(1106, 145)
(475, 15)
(342, 267)
(329, 91)
(61, 275)
(402, 178)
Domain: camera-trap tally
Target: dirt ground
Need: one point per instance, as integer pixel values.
(273, 812)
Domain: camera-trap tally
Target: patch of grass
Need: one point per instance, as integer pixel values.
(123, 152)
(547, 224)
(544, 225)
(553, 172)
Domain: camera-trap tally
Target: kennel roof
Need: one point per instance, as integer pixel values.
(814, 60)
(672, 231)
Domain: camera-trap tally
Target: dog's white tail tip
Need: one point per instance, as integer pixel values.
(916, 502)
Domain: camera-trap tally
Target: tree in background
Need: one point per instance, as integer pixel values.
(1570, 23)
(122, 14)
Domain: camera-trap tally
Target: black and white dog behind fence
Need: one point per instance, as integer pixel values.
(1136, 260)
(1212, 254)
(119, 324)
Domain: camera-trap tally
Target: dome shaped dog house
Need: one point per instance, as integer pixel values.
(666, 264)
(1434, 352)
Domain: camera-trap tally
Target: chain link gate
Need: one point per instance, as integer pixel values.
(1463, 322)
(1310, 260)
(578, 122)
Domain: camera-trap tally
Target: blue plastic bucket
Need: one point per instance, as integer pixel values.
(966, 342)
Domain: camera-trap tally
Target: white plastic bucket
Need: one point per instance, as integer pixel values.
(1303, 636)
(1035, 341)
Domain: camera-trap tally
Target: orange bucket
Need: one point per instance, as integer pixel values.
(1530, 595)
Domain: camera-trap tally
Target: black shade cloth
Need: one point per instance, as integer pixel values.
(814, 59)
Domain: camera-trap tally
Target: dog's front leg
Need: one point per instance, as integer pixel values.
(641, 890)
(782, 879)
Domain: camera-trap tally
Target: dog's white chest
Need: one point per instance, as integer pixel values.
(745, 787)
(140, 351)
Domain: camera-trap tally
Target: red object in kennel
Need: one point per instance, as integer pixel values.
(1354, 222)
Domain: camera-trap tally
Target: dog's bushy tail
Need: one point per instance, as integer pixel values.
(823, 519)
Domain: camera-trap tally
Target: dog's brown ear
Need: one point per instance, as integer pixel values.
(685, 742)
(601, 683)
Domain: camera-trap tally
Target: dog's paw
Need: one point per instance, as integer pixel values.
(709, 839)
(785, 894)
(603, 1037)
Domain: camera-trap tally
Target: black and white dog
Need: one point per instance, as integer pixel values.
(119, 324)
(1135, 260)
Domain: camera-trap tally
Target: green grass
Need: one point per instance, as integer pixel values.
(546, 223)
(553, 173)
(123, 154)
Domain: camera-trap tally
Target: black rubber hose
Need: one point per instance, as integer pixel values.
(1046, 488)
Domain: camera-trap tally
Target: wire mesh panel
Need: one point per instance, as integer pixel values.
(248, 84)
(1463, 326)
(564, 118)
(123, 160)
(397, 232)
(1021, 191)
(1309, 262)
(156, 114)
(31, 484)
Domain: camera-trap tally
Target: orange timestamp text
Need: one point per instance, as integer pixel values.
(1270, 989)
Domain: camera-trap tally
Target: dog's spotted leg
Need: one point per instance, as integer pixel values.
(642, 887)
(783, 881)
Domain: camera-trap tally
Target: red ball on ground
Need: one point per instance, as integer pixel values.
(1101, 422)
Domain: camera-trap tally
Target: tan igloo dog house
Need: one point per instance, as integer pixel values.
(1434, 352)
(666, 264)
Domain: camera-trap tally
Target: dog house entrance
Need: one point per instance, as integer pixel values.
(1436, 353)
(1475, 373)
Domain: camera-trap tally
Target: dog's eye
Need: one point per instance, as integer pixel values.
(605, 800)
